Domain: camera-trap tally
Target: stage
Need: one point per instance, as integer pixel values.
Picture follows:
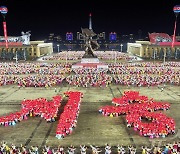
(90, 63)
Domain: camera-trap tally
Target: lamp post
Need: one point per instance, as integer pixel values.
(16, 57)
(67, 55)
(3, 11)
(121, 47)
(176, 10)
(164, 56)
(24, 54)
(115, 57)
(154, 55)
(58, 47)
(176, 53)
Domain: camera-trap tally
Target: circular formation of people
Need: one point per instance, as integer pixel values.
(53, 74)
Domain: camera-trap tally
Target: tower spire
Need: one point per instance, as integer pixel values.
(90, 22)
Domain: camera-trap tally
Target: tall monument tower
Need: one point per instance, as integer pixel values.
(89, 59)
(90, 22)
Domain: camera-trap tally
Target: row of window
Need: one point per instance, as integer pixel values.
(17, 49)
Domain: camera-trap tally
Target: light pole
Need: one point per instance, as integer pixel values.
(66, 55)
(112, 54)
(24, 54)
(154, 55)
(176, 53)
(121, 47)
(176, 10)
(3, 11)
(164, 56)
(16, 57)
(115, 57)
(58, 47)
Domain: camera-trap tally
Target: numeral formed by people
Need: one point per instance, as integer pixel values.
(139, 111)
(140, 115)
(49, 110)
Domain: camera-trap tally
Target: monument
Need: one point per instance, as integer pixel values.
(89, 59)
(90, 44)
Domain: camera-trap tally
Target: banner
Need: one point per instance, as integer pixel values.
(174, 35)
(156, 38)
(5, 33)
(3, 9)
(11, 44)
(176, 9)
(16, 40)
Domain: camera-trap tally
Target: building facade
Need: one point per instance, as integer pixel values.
(145, 49)
(24, 52)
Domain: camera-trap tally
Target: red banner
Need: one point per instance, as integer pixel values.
(174, 35)
(156, 38)
(5, 33)
(3, 9)
(11, 43)
(169, 44)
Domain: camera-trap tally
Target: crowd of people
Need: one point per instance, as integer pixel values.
(10, 68)
(89, 77)
(169, 148)
(146, 74)
(65, 55)
(39, 80)
(49, 111)
(112, 55)
(139, 111)
(33, 74)
(75, 55)
(68, 118)
(51, 74)
(38, 107)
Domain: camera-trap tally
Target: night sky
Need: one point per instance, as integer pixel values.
(60, 16)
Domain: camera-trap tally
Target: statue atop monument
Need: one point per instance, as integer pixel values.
(26, 37)
(90, 43)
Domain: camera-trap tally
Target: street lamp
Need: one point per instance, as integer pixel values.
(58, 47)
(16, 57)
(3, 11)
(24, 54)
(121, 47)
(154, 55)
(164, 56)
(115, 57)
(67, 55)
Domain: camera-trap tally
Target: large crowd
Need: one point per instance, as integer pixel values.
(48, 110)
(75, 55)
(89, 77)
(169, 148)
(66, 55)
(139, 111)
(33, 74)
(136, 108)
(38, 107)
(68, 118)
(146, 74)
(53, 74)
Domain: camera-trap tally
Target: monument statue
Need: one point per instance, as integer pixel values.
(90, 44)
(26, 37)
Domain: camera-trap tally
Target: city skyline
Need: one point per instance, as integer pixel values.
(42, 17)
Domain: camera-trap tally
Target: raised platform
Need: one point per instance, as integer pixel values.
(89, 60)
(90, 63)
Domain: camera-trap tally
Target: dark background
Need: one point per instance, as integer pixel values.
(60, 16)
